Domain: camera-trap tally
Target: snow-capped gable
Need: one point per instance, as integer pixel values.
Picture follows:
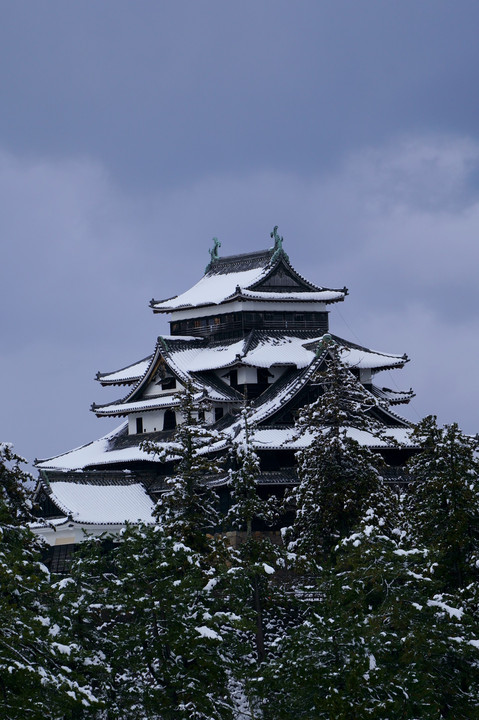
(262, 275)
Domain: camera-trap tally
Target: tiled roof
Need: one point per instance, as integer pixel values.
(108, 504)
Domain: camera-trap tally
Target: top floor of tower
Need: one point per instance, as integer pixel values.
(252, 291)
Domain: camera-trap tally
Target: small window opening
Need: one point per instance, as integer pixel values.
(169, 421)
(262, 376)
(218, 413)
(139, 425)
(168, 383)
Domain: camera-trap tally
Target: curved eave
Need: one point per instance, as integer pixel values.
(393, 397)
(326, 297)
(148, 405)
(117, 377)
(383, 361)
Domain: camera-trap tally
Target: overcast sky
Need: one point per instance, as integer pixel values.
(131, 133)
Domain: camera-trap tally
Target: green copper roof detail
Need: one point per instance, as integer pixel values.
(278, 246)
(214, 254)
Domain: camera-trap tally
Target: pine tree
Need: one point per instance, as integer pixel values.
(35, 681)
(336, 474)
(188, 507)
(246, 505)
(152, 626)
(148, 604)
(261, 605)
(444, 500)
(378, 641)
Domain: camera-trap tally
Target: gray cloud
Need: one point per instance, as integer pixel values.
(162, 93)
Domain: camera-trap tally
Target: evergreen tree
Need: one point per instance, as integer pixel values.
(149, 605)
(255, 591)
(336, 474)
(444, 500)
(246, 505)
(35, 681)
(153, 627)
(378, 640)
(187, 507)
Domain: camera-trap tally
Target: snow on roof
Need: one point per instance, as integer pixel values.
(212, 289)
(131, 372)
(281, 350)
(102, 503)
(369, 359)
(94, 453)
(273, 349)
(206, 358)
(118, 408)
(102, 453)
(286, 438)
(319, 296)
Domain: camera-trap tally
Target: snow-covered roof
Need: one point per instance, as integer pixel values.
(191, 359)
(211, 290)
(238, 276)
(150, 403)
(325, 296)
(111, 450)
(394, 397)
(126, 374)
(262, 349)
(286, 438)
(102, 503)
(95, 453)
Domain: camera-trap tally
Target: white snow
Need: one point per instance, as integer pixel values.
(132, 372)
(274, 350)
(451, 611)
(205, 631)
(278, 438)
(161, 401)
(213, 289)
(103, 503)
(316, 296)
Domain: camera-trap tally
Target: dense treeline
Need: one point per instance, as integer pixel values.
(369, 608)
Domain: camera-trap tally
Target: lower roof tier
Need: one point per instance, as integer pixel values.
(119, 450)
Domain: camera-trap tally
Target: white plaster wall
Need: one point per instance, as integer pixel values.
(247, 375)
(153, 389)
(248, 306)
(72, 533)
(365, 375)
(152, 421)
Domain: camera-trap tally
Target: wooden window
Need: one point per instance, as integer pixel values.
(169, 420)
(139, 424)
(218, 413)
(168, 383)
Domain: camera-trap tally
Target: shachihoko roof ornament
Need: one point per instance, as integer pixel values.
(214, 254)
(278, 245)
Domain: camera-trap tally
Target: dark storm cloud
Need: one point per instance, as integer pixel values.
(164, 91)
